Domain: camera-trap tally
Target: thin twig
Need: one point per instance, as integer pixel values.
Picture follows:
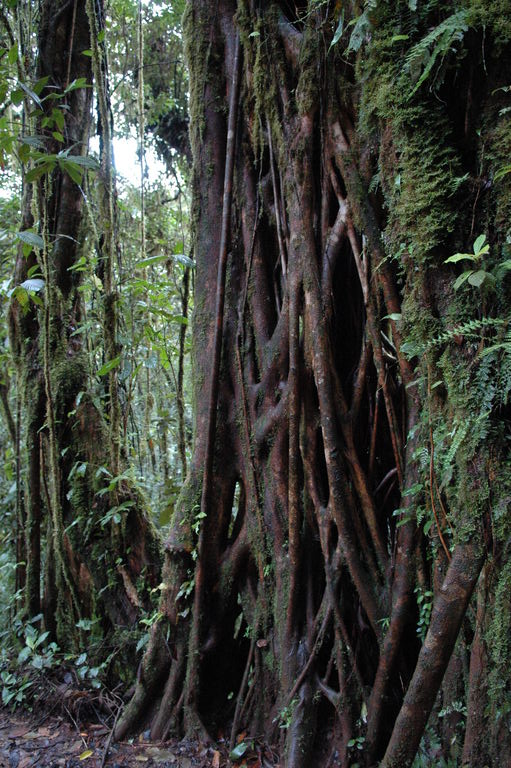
(110, 737)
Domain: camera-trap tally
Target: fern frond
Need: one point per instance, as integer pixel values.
(470, 328)
(436, 43)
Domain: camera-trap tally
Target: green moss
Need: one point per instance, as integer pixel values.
(499, 644)
(308, 89)
(196, 33)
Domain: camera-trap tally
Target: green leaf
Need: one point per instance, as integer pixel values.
(460, 257)
(181, 258)
(478, 243)
(238, 751)
(24, 654)
(338, 32)
(34, 271)
(142, 642)
(33, 284)
(84, 162)
(88, 753)
(502, 172)
(35, 98)
(151, 260)
(57, 136)
(24, 153)
(36, 141)
(12, 56)
(87, 52)
(17, 96)
(461, 279)
(58, 118)
(505, 266)
(80, 82)
(40, 84)
(86, 624)
(30, 238)
(479, 277)
(361, 28)
(39, 170)
(109, 366)
(72, 171)
(427, 527)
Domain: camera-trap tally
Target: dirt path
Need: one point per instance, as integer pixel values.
(51, 742)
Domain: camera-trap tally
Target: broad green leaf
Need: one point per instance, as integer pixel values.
(72, 170)
(461, 279)
(88, 753)
(478, 243)
(17, 96)
(85, 162)
(24, 654)
(33, 284)
(478, 278)
(460, 257)
(40, 84)
(181, 258)
(42, 637)
(58, 118)
(21, 297)
(40, 170)
(151, 260)
(7, 695)
(361, 27)
(80, 82)
(109, 366)
(33, 141)
(30, 238)
(24, 153)
(34, 271)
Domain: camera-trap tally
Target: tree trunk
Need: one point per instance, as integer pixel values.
(93, 561)
(342, 445)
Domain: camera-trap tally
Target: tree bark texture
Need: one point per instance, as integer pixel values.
(92, 565)
(343, 491)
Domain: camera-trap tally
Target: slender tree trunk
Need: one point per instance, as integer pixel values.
(92, 562)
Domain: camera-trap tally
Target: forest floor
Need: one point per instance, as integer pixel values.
(40, 739)
(30, 740)
(65, 724)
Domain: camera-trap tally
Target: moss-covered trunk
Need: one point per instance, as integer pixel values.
(99, 561)
(322, 560)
